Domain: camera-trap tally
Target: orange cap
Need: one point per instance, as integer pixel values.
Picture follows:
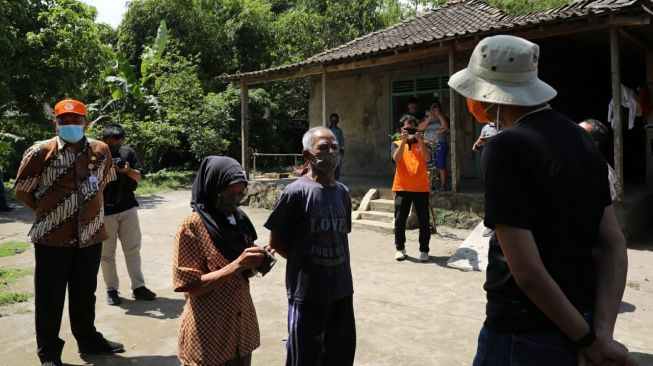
(69, 106)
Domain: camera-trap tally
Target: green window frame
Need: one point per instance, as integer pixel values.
(424, 88)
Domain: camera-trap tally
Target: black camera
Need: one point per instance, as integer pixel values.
(268, 262)
(411, 130)
(120, 163)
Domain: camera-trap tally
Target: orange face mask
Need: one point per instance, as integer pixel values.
(476, 109)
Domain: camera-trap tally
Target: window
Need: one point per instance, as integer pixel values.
(425, 89)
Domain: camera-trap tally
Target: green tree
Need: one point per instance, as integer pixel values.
(49, 50)
(228, 35)
(527, 6)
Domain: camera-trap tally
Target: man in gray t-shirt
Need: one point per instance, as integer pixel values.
(309, 227)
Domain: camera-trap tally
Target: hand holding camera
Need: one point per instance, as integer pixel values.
(122, 166)
(409, 133)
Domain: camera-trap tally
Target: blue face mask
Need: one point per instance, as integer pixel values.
(71, 133)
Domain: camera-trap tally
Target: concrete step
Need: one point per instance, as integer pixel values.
(377, 216)
(381, 227)
(382, 205)
(386, 193)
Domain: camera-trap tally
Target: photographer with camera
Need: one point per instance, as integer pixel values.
(214, 257)
(435, 127)
(411, 185)
(121, 218)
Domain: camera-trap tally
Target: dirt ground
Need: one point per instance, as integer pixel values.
(407, 313)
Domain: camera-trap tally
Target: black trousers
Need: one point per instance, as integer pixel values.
(56, 269)
(403, 201)
(321, 334)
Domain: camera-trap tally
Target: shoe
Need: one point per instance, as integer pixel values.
(143, 293)
(52, 363)
(487, 232)
(441, 189)
(104, 347)
(424, 257)
(6, 209)
(113, 298)
(400, 255)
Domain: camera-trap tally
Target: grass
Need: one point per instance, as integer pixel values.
(456, 219)
(165, 181)
(13, 247)
(9, 276)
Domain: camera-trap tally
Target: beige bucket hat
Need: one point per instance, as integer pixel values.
(503, 70)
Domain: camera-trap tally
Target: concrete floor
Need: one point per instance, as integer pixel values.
(407, 313)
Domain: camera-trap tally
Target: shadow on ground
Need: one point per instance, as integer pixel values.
(160, 308)
(19, 214)
(626, 307)
(440, 261)
(645, 359)
(149, 201)
(119, 360)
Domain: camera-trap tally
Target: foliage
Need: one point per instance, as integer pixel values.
(10, 193)
(156, 73)
(456, 219)
(12, 248)
(165, 180)
(129, 92)
(526, 6)
(49, 50)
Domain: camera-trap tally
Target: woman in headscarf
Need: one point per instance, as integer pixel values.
(214, 256)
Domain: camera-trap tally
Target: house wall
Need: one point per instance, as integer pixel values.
(363, 102)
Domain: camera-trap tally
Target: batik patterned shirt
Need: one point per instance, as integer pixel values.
(67, 189)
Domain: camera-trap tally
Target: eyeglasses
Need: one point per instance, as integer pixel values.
(77, 120)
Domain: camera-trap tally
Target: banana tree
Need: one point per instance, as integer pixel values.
(128, 91)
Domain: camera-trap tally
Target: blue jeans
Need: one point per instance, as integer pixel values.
(524, 349)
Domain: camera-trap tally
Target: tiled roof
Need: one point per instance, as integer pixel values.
(455, 19)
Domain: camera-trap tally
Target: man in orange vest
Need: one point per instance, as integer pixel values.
(411, 186)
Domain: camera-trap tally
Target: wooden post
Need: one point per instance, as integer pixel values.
(649, 123)
(616, 97)
(324, 110)
(453, 126)
(244, 126)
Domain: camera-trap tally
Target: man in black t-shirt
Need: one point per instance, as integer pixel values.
(557, 261)
(121, 218)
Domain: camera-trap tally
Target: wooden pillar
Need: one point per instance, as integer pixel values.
(615, 65)
(453, 127)
(244, 126)
(649, 123)
(324, 108)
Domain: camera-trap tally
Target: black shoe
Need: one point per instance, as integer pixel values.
(113, 298)
(143, 293)
(52, 363)
(6, 209)
(104, 347)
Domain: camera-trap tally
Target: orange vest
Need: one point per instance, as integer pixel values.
(410, 174)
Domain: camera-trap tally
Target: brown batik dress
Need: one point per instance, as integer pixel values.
(217, 326)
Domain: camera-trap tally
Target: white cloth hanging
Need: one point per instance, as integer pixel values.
(627, 101)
